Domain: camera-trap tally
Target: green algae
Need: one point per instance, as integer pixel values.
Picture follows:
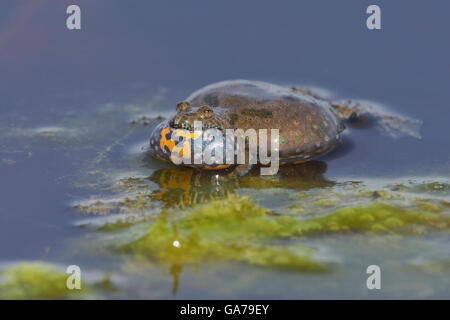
(400, 187)
(427, 205)
(97, 208)
(326, 202)
(163, 244)
(141, 202)
(144, 120)
(436, 186)
(383, 194)
(138, 202)
(296, 209)
(118, 225)
(36, 281)
(445, 203)
(234, 229)
(377, 218)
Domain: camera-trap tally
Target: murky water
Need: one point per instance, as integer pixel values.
(77, 108)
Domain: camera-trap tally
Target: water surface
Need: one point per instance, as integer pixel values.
(67, 100)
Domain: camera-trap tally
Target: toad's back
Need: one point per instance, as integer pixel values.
(307, 126)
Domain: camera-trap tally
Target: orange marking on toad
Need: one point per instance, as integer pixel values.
(164, 142)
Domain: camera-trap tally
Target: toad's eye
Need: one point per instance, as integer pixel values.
(183, 106)
(206, 112)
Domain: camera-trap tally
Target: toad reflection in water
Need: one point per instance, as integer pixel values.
(188, 186)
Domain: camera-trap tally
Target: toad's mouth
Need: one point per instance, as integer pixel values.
(187, 125)
(181, 125)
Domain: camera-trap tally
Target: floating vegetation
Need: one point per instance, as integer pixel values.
(232, 229)
(236, 229)
(132, 204)
(428, 205)
(326, 202)
(145, 120)
(377, 218)
(51, 134)
(436, 186)
(96, 207)
(37, 281)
